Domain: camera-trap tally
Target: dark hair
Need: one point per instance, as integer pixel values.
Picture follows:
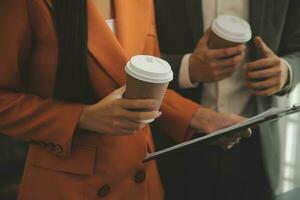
(72, 82)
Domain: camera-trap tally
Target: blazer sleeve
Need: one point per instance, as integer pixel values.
(290, 42)
(29, 117)
(177, 111)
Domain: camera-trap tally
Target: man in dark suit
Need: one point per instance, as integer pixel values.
(271, 64)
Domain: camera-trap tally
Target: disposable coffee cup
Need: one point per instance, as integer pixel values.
(148, 77)
(229, 31)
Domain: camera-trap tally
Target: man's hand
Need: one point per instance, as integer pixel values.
(267, 75)
(210, 65)
(208, 121)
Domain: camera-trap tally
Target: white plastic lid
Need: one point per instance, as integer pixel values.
(232, 28)
(149, 69)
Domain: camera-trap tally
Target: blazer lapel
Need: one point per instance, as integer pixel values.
(195, 17)
(132, 25)
(104, 46)
(133, 20)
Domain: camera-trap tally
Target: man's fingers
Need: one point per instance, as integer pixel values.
(205, 37)
(230, 62)
(265, 73)
(268, 83)
(262, 63)
(225, 70)
(267, 92)
(264, 49)
(226, 52)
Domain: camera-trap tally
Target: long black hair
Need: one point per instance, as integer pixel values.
(72, 82)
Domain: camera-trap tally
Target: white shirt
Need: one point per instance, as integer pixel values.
(228, 95)
(111, 25)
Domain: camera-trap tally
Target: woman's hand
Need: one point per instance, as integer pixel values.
(115, 116)
(208, 121)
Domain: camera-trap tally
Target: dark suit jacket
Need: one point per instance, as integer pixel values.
(180, 26)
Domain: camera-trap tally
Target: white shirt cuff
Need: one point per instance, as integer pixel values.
(290, 75)
(184, 74)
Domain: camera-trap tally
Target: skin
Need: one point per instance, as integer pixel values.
(208, 121)
(211, 65)
(270, 70)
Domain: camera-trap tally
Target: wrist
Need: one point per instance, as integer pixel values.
(192, 69)
(286, 74)
(184, 80)
(83, 119)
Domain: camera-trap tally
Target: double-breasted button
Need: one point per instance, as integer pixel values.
(140, 177)
(104, 191)
(58, 148)
(50, 146)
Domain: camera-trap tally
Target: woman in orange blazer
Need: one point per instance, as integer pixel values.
(58, 81)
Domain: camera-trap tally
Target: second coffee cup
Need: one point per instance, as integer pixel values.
(229, 31)
(148, 77)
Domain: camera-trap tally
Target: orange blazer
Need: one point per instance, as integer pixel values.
(62, 164)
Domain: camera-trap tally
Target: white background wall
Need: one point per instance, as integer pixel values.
(290, 144)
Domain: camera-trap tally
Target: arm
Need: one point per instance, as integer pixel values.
(23, 115)
(177, 111)
(47, 121)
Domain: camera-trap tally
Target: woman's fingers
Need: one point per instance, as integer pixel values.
(138, 104)
(265, 73)
(140, 116)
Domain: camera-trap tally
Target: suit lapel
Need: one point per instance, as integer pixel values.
(195, 17)
(257, 13)
(256, 18)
